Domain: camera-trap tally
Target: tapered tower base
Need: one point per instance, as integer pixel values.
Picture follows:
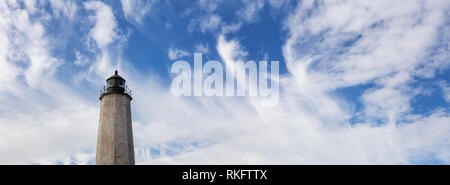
(115, 135)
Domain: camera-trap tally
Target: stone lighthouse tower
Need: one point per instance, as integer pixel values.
(115, 134)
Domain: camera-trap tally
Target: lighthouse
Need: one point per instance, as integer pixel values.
(115, 133)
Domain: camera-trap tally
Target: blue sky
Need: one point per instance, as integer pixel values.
(361, 82)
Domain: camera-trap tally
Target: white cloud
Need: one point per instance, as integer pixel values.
(250, 10)
(203, 48)
(277, 3)
(80, 59)
(37, 110)
(108, 38)
(67, 8)
(209, 5)
(236, 131)
(310, 123)
(230, 50)
(23, 46)
(209, 23)
(445, 91)
(177, 53)
(299, 143)
(389, 42)
(231, 28)
(208, 20)
(136, 10)
(105, 23)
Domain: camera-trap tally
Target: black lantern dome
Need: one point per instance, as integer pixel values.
(115, 84)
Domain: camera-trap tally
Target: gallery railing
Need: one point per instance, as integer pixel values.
(105, 89)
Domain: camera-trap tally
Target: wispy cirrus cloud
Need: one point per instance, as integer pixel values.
(177, 53)
(250, 10)
(37, 109)
(363, 42)
(136, 11)
(378, 48)
(66, 8)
